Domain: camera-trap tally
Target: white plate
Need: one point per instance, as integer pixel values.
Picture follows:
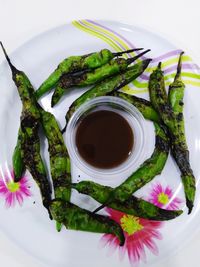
(28, 225)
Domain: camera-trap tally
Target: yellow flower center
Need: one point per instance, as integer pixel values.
(13, 187)
(163, 198)
(130, 224)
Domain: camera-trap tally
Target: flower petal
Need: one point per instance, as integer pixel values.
(115, 214)
(114, 244)
(106, 240)
(158, 188)
(3, 190)
(10, 200)
(122, 252)
(136, 251)
(25, 191)
(19, 198)
(151, 245)
(168, 191)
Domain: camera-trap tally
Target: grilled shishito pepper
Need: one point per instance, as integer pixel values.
(59, 158)
(133, 206)
(18, 165)
(175, 96)
(108, 85)
(115, 66)
(30, 149)
(78, 63)
(172, 121)
(143, 105)
(30, 143)
(75, 218)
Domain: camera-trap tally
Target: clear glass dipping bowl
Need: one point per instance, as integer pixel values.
(133, 117)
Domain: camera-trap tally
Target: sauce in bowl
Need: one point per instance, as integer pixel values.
(104, 139)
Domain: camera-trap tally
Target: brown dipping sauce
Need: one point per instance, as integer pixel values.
(104, 139)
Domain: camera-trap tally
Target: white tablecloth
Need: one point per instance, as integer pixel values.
(179, 20)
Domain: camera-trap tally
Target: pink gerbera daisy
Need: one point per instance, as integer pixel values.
(14, 191)
(139, 233)
(163, 197)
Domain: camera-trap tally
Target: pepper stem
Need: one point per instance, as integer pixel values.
(179, 67)
(99, 208)
(14, 70)
(159, 65)
(126, 51)
(131, 60)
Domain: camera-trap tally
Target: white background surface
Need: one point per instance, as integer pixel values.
(178, 20)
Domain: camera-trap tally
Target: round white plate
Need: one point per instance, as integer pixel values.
(28, 224)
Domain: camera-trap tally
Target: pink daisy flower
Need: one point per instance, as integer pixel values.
(14, 192)
(163, 197)
(140, 235)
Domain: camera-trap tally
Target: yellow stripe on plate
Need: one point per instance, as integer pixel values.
(109, 34)
(98, 35)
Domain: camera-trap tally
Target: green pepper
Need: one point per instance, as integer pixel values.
(115, 66)
(180, 153)
(18, 165)
(76, 218)
(143, 105)
(59, 158)
(78, 63)
(29, 138)
(133, 205)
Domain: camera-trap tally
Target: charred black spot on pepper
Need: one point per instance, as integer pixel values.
(181, 103)
(180, 116)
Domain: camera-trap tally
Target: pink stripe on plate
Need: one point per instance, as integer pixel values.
(144, 77)
(185, 66)
(167, 55)
(85, 25)
(117, 34)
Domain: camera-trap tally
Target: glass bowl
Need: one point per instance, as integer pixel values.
(134, 119)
